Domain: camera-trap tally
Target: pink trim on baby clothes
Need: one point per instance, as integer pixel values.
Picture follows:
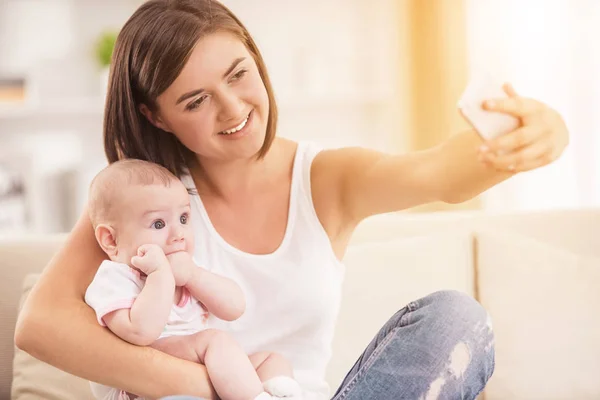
(185, 298)
(117, 305)
(123, 395)
(138, 274)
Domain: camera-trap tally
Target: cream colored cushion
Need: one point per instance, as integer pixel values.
(576, 230)
(545, 305)
(19, 256)
(35, 380)
(383, 277)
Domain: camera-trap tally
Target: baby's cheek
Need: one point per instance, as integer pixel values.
(140, 238)
(190, 245)
(154, 236)
(124, 255)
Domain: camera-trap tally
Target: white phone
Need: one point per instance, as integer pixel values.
(488, 124)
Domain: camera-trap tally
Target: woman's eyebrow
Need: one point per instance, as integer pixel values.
(196, 92)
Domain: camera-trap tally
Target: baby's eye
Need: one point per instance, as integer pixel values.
(184, 219)
(159, 224)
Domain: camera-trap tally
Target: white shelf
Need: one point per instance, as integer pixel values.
(85, 107)
(73, 107)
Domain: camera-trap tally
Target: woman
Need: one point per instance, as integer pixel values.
(190, 91)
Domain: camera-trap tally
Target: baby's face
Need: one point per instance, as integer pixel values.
(154, 214)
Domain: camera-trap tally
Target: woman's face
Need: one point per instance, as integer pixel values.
(218, 106)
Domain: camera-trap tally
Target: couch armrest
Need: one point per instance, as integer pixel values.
(19, 256)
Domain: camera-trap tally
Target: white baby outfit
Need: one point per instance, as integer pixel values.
(115, 287)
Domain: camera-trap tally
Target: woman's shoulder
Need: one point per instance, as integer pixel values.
(285, 148)
(323, 171)
(326, 165)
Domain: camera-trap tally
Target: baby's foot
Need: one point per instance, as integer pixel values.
(263, 396)
(284, 387)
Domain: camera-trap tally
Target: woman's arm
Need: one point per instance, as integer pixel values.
(371, 182)
(365, 182)
(73, 341)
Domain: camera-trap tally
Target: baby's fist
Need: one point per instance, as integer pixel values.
(149, 258)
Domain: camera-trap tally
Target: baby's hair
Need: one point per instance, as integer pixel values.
(109, 184)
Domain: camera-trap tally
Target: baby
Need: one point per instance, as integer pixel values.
(151, 293)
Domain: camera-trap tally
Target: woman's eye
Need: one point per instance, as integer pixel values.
(239, 75)
(158, 224)
(196, 103)
(184, 219)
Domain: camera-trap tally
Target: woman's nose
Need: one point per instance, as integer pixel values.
(232, 107)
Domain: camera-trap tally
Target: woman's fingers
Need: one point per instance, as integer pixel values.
(516, 106)
(515, 140)
(533, 164)
(540, 139)
(538, 154)
(509, 90)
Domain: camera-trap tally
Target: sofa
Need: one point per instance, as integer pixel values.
(537, 274)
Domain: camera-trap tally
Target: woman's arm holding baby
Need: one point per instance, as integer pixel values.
(143, 323)
(73, 341)
(221, 296)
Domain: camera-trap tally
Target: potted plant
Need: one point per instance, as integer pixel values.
(104, 49)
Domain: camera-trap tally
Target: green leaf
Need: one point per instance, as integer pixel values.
(105, 47)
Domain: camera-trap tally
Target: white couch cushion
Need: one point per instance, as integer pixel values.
(576, 230)
(545, 305)
(383, 277)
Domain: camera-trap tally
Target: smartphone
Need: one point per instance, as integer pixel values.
(488, 124)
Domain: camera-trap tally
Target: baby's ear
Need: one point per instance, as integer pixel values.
(105, 235)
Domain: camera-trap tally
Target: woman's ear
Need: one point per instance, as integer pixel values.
(105, 235)
(153, 118)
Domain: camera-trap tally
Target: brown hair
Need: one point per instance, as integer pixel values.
(108, 185)
(150, 52)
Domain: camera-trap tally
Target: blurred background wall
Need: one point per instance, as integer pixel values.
(384, 74)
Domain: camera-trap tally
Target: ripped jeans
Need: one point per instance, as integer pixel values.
(438, 347)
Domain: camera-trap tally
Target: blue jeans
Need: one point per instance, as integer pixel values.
(438, 347)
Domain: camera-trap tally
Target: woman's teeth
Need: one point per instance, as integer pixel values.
(237, 128)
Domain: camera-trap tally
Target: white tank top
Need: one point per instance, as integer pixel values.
(293, 294)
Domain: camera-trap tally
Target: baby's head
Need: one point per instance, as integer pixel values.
(134, 202)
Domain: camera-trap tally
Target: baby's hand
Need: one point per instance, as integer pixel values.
(150, 258)
(181, 265)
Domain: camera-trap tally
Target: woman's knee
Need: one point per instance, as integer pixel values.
(460, 318)
(457, 306)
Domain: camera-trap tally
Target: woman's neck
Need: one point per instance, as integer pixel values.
(238, 178)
